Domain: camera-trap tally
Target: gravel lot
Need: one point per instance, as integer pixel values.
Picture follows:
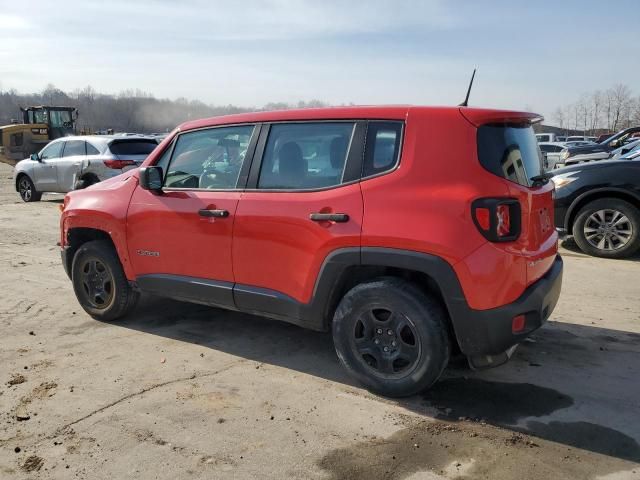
(184, 391)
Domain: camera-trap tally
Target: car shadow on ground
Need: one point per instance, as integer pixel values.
(555, 376)
(569, 244)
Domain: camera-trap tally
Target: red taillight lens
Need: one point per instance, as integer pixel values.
(504, 220)
(497, 219)
(118, 164)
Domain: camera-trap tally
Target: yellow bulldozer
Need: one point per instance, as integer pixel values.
(39, 126)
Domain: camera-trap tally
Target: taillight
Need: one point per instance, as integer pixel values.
(497, 219)
(118, 164)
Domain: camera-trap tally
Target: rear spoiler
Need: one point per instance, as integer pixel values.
(482, 116)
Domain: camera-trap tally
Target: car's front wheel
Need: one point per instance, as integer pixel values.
(391, 336)
(99, 282)
(27, 190)
(608, 227)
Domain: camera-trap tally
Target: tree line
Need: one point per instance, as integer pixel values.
(601, 111)
(127, 111)
(138, 111)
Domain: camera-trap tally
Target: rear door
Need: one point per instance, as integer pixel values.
(302, 202)
(68, 167)
(180, 240)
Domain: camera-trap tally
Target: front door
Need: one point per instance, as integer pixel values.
(305, 203)
(45, 173)
(180, 240)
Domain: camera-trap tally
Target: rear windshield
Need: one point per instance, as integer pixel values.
(132, 147)
(510, 151)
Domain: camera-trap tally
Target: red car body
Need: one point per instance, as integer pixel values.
(423, 205)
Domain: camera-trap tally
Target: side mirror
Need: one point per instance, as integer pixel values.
(151, 179)
(35, 157)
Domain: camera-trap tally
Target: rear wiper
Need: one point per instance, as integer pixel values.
(540, 180)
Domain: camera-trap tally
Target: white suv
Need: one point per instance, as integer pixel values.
(70, 163)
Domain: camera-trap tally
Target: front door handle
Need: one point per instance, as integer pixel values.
(329, 217)
(213, 213)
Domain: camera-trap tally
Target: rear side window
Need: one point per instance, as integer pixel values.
(382, 148)
(73, 148)
(132, 147)
(510, 151)
(305, 155)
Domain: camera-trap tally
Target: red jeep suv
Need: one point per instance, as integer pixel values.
(410, 232)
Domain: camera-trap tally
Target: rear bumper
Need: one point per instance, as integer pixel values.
(489, 332)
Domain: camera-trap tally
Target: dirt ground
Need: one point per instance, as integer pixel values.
(183, 391)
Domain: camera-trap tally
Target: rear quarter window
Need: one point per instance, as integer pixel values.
(510, 151)
(382, 150)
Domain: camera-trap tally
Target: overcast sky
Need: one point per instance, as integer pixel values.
(529, 54)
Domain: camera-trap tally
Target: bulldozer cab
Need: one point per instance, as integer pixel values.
(39, 126)
(59, 121)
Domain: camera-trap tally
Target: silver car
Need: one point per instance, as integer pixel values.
(71, 163)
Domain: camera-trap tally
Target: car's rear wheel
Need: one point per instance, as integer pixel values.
(608, 227)
(86, 181)
(99, 282)
(391, 336)
(27, 190)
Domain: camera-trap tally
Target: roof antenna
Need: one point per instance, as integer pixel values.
(466, 99)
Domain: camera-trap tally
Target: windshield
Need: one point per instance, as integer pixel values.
(510, 151)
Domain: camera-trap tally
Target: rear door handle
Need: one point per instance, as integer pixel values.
(329, 217)
(213, 213)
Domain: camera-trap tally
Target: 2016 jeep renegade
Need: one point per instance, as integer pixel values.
(409, 232)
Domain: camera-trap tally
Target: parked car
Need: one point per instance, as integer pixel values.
(624, 150)
(71, 163)
(561, 138)
(552, 152)
(317, 217)
(580, 138)
(603, 137)
(599, 204)
(578, 143)
(598, 151)
(546, 137)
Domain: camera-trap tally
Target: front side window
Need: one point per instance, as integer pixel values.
(53, 150)
(305, 155)
(210, 159)
(74, 148)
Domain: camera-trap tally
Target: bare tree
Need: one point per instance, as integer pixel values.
(559, 117)
(596, 109)
(620, 98)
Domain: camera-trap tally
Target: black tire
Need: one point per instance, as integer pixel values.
(99, 282)
(27, 189)
(616, 235)
(404, 369)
